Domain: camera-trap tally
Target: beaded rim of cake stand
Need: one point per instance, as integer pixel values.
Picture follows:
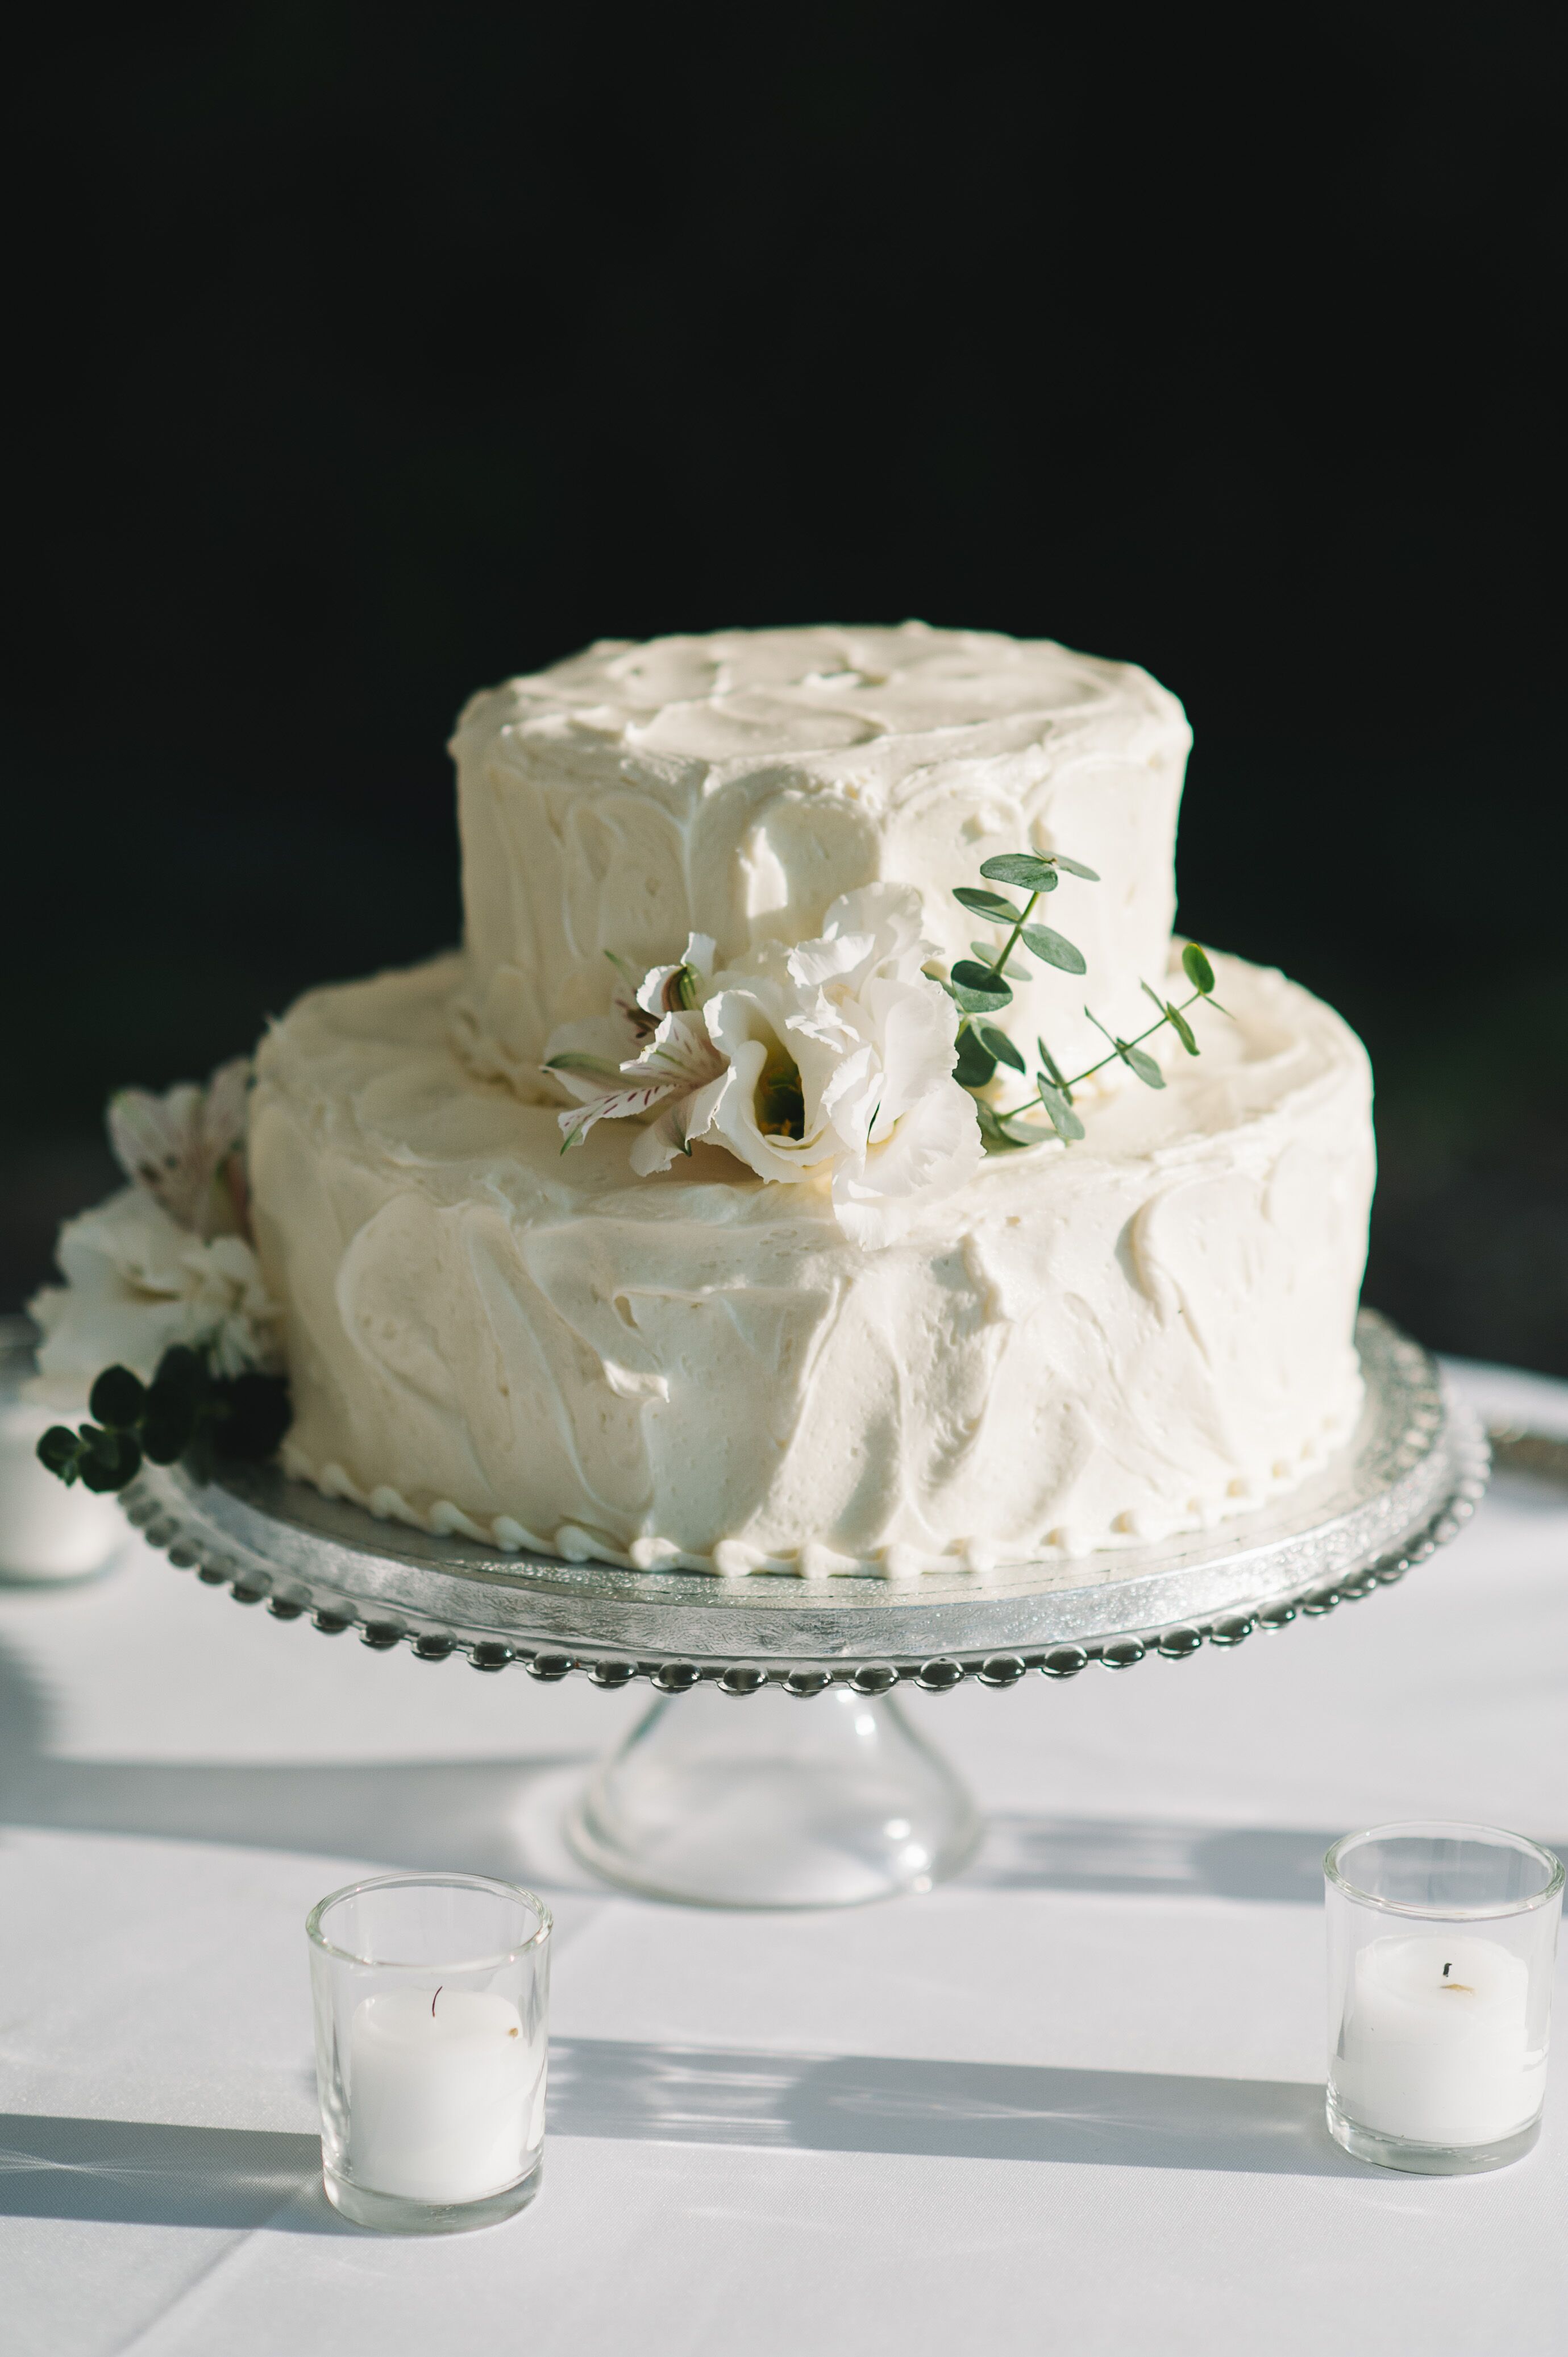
(1410, 1482)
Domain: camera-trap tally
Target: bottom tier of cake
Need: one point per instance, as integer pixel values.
(1140, 1334)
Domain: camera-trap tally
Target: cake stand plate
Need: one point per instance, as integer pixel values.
(770, 1807)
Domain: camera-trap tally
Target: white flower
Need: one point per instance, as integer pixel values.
(186, 1148)
(674, 1065)
(137, 1282)
(834, 1055)
(167, 1259)
(867, 1039)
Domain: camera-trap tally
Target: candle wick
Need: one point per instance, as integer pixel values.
(1447, 1970)
(443, 1985)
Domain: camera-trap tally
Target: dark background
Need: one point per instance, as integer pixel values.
(369, 356)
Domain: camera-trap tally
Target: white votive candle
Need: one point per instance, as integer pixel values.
(48, 1532)
(440, 2082)
(1435, 2045)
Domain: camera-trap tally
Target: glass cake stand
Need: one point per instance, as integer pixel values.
(775, 1806)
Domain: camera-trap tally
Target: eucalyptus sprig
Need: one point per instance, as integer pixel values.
(185, 1411)
(980, 987)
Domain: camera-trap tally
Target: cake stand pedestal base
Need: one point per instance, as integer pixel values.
(823, 1803)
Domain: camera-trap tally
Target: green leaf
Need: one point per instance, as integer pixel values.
(1197, 968)
(973, 1068)
(1065, 1122)
(1090, 874)
(981, 1001)
(987, 904)
(1182, 1029)
(1053, 948)
(117, 1399)
(167, 1436)
(986, 955)
(174, 1403)
(993, 1129)
(1054, 1069)
(977, 990)
(180, 1376)
(1021, 867)
(60, 1451)
(108, 1459)
(1171, 1013)
(998, 1045)
(1135, 1059)
(256, 1416)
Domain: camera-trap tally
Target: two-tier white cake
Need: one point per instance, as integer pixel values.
(804, 1345)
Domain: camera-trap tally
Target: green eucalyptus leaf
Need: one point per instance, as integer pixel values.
(60, 1451)
(1053, 948)
(994, 1130)
(108, 1459)
(166, 1438)
(1197, 968)
(987, 904)
(181, 1376)
(256, 1416)
(1074, 868)
(986, 955)
(998, 1045)
(1065, 1122)
(978, 989)
(1135, 1059)
(1021, 867)
(1054, 1069)
(117, 1399)
(1182, 1029)
(174, 1406)
(974, 1068)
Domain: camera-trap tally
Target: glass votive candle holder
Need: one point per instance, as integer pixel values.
(1442, 1943)
(48, 1532)
(432, 2001)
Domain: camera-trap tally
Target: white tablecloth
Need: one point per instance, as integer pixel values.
(1072, 2100)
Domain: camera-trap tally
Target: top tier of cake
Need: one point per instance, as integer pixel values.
(736, 784)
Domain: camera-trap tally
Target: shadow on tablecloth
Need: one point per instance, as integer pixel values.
(143, 2173)
(146, 2173)
(952, 2111)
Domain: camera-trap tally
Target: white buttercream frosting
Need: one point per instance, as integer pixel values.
(1138, 1335)
(736, 785)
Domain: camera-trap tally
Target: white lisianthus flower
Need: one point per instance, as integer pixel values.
(137, 1282)
(840, 1052)
(835, 1056)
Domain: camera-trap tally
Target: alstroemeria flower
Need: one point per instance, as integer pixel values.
(674, 1066)
(167, 1259)
(185, 1148)
(135, 1281)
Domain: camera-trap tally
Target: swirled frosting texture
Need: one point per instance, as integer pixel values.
(1139, 1335)
(736, 784)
